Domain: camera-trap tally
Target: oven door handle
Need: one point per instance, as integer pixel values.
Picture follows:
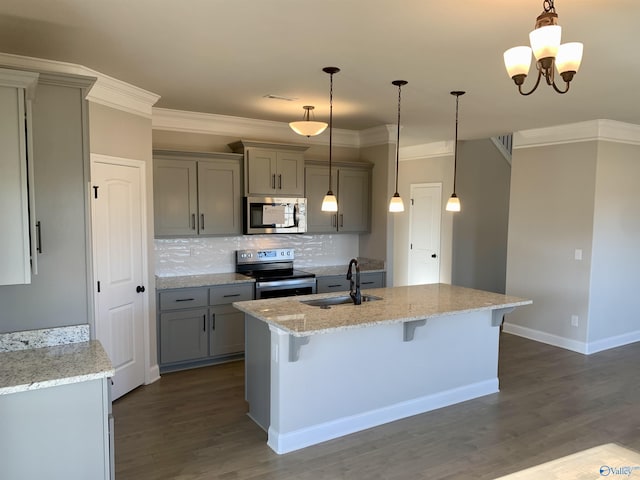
(287, 283)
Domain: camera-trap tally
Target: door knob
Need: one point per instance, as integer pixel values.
(434, 256)
(140, 289)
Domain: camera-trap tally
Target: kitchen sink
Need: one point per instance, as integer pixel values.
(341, 300)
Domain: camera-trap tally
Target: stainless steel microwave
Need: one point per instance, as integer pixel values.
(265, 215)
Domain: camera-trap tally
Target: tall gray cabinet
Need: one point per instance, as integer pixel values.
(59, 292)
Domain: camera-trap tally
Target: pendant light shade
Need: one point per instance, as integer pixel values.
(306, 126)
(330, 202)
(453, 205)
(396, 204)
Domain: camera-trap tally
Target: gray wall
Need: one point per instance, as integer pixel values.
(480, 228)
(615, 279)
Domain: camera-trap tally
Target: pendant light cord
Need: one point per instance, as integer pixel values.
(455, 148)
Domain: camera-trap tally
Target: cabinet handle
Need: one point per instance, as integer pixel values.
(333, 220)
(280, 181)
(193, 221)
(204, 323)
(273, 181)
(213, 321)
(202, 221)
(367, 283)
(39, 237)
(337, 285)
(231, 295)
(342, 220)
(185, 299)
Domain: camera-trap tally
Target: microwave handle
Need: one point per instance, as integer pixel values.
(295, 214)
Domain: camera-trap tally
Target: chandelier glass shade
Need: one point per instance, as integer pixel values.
(306, 126)
(549, 53)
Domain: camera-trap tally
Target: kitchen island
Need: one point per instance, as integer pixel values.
(313, 373)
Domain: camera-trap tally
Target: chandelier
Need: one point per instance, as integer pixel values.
(546, 48)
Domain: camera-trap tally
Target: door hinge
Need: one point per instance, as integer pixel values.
(412, 202)
(411, 246)
(95, 191)
(98, 286)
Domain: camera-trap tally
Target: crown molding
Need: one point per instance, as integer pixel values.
(606, 130)
(107, 90)
(426, 150)
(380, 135)
(225, 125)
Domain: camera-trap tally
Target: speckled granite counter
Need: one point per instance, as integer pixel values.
(399, 304)
(37, 359)
(366, 265)
(165, 283)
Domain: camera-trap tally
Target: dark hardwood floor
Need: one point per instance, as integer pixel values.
(192, 425)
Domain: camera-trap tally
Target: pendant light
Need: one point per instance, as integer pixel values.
(453, 205)
(396, 204)
(306, 126)
(330, 202)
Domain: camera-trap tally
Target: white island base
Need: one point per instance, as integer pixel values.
(304, 390)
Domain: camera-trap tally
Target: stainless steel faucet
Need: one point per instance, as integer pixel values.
(355, 294)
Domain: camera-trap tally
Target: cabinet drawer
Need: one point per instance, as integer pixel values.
(225, 294)
(372, 280)
(183, 298)
(333, 283)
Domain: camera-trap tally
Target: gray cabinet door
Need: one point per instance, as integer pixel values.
(175, 197)
(261, 171)
(184, 335)
(219, 198)
(290, 173)
(353, 200)
(61, 286)
(316, 186)
(227, 330)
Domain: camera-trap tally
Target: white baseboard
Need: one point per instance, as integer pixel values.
(153, 374)
(585, 348)
(295, 440)
(613, 342)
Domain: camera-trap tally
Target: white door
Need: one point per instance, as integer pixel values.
(424, 235)
(117, 196)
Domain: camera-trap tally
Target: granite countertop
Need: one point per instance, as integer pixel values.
(35, 359)
(204, 280)
(398, 304)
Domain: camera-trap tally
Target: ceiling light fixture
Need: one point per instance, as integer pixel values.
(396, 204)
(545, 44)
(453, 205)
(306, 126)
(330, 202)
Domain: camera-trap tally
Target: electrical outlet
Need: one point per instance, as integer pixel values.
(574, 320)
(578, 254)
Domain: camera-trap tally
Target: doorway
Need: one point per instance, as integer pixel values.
(425, 215)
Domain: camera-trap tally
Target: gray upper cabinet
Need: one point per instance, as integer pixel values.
(197, 193)
(60, 188)
(352, 186)
(16, 92)
(272, 169)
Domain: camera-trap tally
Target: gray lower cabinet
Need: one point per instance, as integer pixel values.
(56, 432)
(198, 326)
(339, 283)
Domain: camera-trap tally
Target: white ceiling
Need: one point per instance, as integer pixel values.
(224, 56)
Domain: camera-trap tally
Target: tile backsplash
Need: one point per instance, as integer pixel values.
(197, 256)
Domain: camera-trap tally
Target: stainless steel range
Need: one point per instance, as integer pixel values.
(274, 273)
